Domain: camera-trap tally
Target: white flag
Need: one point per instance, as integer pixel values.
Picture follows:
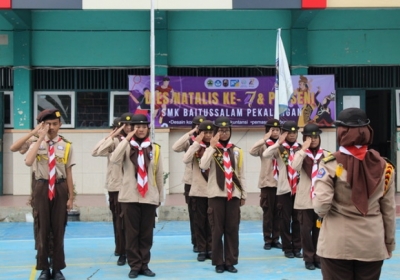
(283, 82)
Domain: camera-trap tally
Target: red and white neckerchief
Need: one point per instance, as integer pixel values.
(142, 179)
(269, 142)
(52, 167)
(314, 169)
(227, 168)
(293, 176)
(357, 151)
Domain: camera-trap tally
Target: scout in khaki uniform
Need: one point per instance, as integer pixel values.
(52, 158)
(198, 191)
(267, 182)
(283, 150)
(141, 192)
(226, 193)
(114, 181)
(182, 145)
(355, 194)
(306, 163)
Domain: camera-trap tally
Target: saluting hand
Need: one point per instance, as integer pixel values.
(36, 129)
(131, 134)
(267, 135)
(200, 137)
(282, 138)
(117, 131)
(214, 140)
(306, 143)
(42, 132)
(194, 130)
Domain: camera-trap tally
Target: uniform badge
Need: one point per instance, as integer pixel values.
(151, 155)
(236, 153)
(61, 148)
(321, 173)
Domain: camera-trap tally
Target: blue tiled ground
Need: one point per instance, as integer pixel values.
(89, 255)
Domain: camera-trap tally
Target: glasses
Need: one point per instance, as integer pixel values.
(225, 131)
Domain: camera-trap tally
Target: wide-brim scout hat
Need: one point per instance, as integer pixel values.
(126, 118)
(273, 123)
(222, 122)
(48, 114)
(290, 126)
(311, 129)
(352, 117)
(206, 126)
(116, 122)
(139, 119)
(198, 119)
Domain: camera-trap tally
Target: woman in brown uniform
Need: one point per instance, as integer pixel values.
(141, 192)
(268, 182)
(226, 193)
(355, 194)
(198, 191)
(105, 147)
(182, 145)
(306, 163)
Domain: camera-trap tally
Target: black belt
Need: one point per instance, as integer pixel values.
(57, 180)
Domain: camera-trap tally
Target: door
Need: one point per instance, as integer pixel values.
(380, 110)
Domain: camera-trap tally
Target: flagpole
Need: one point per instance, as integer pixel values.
(152, 72)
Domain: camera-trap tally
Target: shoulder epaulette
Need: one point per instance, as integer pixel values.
(388, 161)
(389, 170)
(65, 140)
(328, 158)
(154, 143)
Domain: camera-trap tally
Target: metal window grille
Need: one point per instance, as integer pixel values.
(6, 79)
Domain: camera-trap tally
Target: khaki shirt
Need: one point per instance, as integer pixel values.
(266, 178)
(105, 148)
(182, 145)
(199, 184)
(345, 233)
(129, 191)
(283, 182)
(303, 191)
(208, 161)
(41, 163)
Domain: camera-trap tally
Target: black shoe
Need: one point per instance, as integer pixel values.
(133, 274)
(310, 266)
(57, 275)
(147, 272)
(116, 254)
(276, 244)
(201, 257)
(195, 250)
(289, 255)
(45, 275)
(230, 268)
(209, 255)
(219, 268)
(267, 246)
(298, 255)
(317, 265)
(121, 260)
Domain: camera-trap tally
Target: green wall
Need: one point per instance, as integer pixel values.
(209, 38)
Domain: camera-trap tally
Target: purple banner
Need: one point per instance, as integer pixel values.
(246, 101)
